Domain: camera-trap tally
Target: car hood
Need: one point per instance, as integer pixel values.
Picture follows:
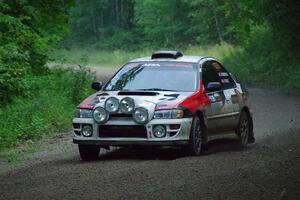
(151, 100)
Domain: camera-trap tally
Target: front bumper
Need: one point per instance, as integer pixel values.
(125, 142)
(175, 137)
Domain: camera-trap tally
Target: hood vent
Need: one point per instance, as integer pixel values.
(172, 95)
(138, 93)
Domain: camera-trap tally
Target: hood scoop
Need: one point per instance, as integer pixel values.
(138, 93)
(172, 95)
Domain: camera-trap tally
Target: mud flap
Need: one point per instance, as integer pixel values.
(251, 138)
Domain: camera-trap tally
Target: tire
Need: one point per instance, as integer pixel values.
(243, 130)
(88, 152)
(196, 138)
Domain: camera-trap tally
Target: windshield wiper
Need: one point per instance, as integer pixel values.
(156, 89)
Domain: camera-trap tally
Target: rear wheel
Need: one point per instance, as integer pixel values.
(196, 137)
(243, 130)
(88, 152)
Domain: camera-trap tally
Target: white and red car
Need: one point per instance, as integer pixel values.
(166, 99)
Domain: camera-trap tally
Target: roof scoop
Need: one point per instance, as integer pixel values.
(166, 54)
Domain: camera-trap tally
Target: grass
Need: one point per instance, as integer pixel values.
(119, 57)
(16, 155)
(45, 145)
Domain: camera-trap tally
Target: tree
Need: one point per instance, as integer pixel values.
(27, 29)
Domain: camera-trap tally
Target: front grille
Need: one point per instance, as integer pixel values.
(130, 131)
(120, 115)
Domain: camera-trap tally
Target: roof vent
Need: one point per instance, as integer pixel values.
(166, 54)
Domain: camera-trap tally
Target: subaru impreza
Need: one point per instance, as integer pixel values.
(167, 99)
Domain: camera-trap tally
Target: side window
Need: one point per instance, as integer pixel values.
(215, 72)
(209, 74)
(226, 79)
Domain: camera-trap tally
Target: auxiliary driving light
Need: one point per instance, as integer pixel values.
(127, 105)
(140, 115)
(112, 104)
(100, 115)
(159, 131)
(87, 130)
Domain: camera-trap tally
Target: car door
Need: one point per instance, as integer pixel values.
(220, 115)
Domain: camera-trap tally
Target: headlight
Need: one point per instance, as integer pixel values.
(127, 105)
(84, 113)
(100, 115)
(168, 114)
(87, 130)
(112, 104)
(140, 115)
(159, 131)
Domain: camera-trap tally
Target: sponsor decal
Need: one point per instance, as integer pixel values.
(225, 80)
(151, 65)
(89, 103)
(193, 103)
(223, 74)
(178, 65)
(218, 97)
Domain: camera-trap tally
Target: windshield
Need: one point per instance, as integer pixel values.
(156, 76)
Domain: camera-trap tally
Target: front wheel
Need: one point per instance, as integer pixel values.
(196, 137)
(88, 152)
(243, 130)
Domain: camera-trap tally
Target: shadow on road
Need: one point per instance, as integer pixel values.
(156, 153)
(166, 153)
(221, 145)
(144, 153)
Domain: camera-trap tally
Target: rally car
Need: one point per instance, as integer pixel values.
(164, 100)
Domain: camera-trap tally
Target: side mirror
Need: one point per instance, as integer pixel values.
(97, 86)
(213, 86)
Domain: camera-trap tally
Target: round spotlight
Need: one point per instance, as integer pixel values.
(140, 115)
(112, 104)
(87, 130)
(159, 131)
(127, 105)
(100, 115)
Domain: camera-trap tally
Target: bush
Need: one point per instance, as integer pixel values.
(47, 106)
(266, 61)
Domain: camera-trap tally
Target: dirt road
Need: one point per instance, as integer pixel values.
(269, 169)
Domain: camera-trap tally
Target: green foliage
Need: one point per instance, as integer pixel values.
(48, 107)
(33, 100)
(163, 23)
(144, 24)
(27, 29)
(263, 62)
(119, 57)
(94, 21)
(283, 16)
(270, 56)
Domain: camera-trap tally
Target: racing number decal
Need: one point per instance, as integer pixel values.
(217, 97)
